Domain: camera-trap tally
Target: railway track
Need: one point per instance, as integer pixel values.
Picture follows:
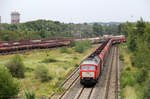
(85, 93)
(117, 75)
(112, 82)
(67, 84)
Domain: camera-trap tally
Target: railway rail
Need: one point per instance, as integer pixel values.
(112, 82)
(67, 84)
(85, 93)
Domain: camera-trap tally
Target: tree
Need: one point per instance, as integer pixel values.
(97, 29)
(9, 87)
(81, 46)
(146, 35)
(140, 27)
(138, 38)
(43, 34)
(16, 67)
(46, 28)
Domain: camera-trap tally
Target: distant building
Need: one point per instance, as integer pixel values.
(15, 18)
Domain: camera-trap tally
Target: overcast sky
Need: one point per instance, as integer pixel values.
(76, 11)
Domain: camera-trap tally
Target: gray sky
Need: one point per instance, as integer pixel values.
(76, 10)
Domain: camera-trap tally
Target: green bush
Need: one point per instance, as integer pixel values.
(65, 67)
(79, 49)
(121, 57)
(9, 87)
(64, 50)
(49, 60)
(128, 68)
(133, 61)
(76, 65)
(147, 89)
(41, 72)
(141, 75)
(16, 67)
(75, 58)
(29, 95)
(28, 69)
(127, 78)
(81, 46)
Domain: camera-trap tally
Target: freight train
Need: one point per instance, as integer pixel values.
(92, 66)
(8, 46)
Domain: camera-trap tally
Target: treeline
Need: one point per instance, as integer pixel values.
(138, 42)
(46, 29)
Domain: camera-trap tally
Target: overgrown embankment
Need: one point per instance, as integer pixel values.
(135, 56)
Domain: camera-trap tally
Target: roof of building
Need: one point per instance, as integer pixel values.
(15, 13)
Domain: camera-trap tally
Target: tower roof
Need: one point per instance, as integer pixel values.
(15, 13)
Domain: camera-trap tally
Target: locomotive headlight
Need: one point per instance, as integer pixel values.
(87, 74)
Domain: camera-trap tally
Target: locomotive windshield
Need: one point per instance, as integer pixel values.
(84, 67)
(91, 68)
(92, 61)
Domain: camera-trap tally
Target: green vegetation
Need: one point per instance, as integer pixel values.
(16, 67)
(42, 73)
(121, 57)
(127, 80)
(65, 50)
(81, 46)
(9, 87)
(60, 90)
(50, 64)
(49, 60)
(98, 29)
(136, 71)
(29, 95)
(46, 29)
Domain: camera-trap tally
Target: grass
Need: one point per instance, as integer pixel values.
(59, 65)
(127, 82)
(129, 93)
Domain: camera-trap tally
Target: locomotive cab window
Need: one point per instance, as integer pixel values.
(91, 68)
(84, 67)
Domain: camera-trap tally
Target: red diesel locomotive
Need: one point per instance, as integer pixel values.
(91, 67)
